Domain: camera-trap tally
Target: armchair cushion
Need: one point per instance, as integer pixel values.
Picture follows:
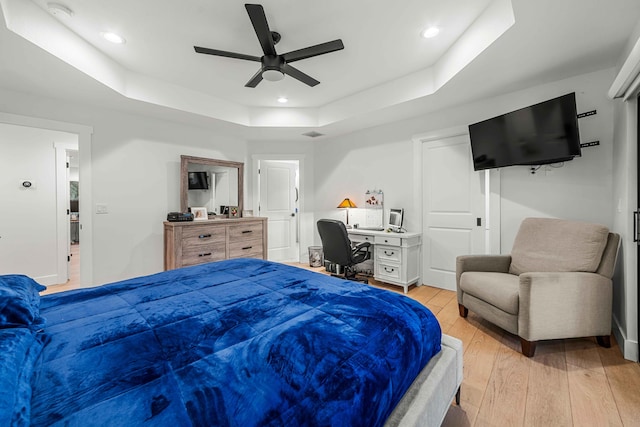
(499, 289)
(548, 244)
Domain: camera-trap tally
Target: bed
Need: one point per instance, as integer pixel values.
(239, 342)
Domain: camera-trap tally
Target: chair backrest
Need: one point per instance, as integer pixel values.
(335, 242)
(550, 244)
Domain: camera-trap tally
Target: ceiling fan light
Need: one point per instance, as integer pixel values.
(272, 75)
(283, 100)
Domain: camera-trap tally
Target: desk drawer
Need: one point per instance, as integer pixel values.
(246, 249)
(203, 253)
(245, 232)
(202, 235)
(359, 238)
(388, 240)
(388, 271)
(388, 253)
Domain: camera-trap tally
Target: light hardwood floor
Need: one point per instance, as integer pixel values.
(74, 274)
(572, 382)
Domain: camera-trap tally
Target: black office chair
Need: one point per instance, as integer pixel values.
(338, 249)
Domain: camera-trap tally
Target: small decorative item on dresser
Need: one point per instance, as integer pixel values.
(199, 214)
(234, 212)
(247, 213)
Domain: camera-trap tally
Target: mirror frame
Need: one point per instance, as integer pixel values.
(185, 161)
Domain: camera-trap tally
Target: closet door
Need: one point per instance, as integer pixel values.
(453, 207)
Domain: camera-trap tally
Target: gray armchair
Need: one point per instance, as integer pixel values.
(555, 284)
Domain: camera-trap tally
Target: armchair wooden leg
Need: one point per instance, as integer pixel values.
(604, 341)
(528, 347)
(464, 311)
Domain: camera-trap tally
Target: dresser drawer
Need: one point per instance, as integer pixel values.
(388, 253)
(245, 232)
(388, 240)
(202, 235)
(246, 248)
(203, 253)
(388, 271)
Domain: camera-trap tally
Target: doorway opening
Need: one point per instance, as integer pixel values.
(279, 200)
(73, 202)
(56, 197)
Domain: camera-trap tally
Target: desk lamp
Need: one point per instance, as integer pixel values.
(347, 203)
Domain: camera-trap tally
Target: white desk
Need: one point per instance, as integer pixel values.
(396, 256)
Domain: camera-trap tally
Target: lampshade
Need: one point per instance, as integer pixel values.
(347, 203)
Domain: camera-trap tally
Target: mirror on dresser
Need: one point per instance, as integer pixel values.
(215, 183)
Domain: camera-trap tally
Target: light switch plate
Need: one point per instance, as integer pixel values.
(101, 208)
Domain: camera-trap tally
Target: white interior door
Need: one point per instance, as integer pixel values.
(278, 204)
(453, 206)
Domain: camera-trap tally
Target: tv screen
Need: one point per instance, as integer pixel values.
(540, 134)
(198, 181)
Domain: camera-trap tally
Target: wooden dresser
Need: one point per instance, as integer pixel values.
(197, 242)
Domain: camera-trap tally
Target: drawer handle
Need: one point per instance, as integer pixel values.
(247, 231)
(206, 254)
(386, 241)
(388, 254)
(204, 236)
(389, 270)
(247, 247)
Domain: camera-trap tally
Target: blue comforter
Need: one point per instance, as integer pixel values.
(239, 343)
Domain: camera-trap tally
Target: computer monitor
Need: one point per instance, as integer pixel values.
(396, 217)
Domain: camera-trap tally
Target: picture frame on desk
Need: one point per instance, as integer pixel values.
(234, 212)
(199, 214)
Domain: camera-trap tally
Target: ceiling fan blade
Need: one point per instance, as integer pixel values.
(299, 75)
(316, 50)
(257, 78)
(216, 52)
(260, 25)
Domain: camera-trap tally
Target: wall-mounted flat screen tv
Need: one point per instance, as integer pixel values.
(541, 134)
(198, 181)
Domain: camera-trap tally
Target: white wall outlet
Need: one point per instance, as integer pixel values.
(27, 184)
(102, 208)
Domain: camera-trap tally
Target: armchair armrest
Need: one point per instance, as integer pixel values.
(493, 263)
(564, 304)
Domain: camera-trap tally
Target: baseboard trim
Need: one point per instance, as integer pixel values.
(629, 348)
(49, 280)
(445, 287)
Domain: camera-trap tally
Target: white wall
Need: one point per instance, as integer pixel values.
(582, 188)
(28, 234)
(382, 157)
(135, 172)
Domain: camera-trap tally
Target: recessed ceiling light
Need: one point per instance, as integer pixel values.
(113, 38)
(283, 100)
(430, 32)
(58, 9)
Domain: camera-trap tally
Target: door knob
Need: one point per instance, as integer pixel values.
(293, 214)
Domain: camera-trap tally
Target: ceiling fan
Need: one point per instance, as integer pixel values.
(274, 66)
